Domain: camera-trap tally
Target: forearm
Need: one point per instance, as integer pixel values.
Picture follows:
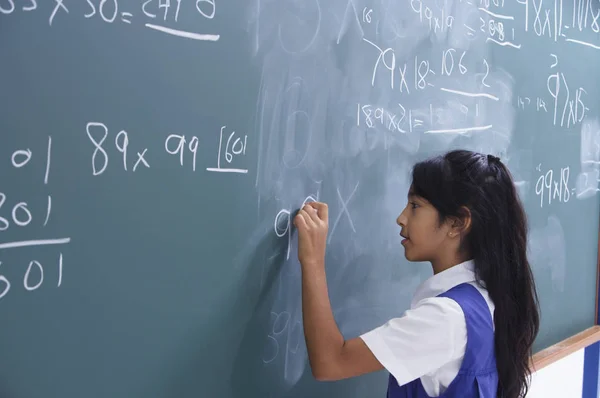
(323, 338)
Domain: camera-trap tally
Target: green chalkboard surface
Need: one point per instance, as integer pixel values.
(152, 151)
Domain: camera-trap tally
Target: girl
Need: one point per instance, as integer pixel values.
(471, 326)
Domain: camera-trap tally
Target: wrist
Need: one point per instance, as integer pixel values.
(312, 264)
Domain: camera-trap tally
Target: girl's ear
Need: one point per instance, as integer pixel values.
(461, 224)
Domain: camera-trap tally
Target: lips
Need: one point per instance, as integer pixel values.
(405, 238)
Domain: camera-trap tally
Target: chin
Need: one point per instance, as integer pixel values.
(408, 256)
(412, 257)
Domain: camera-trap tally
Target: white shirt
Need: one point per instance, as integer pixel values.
(429, 340)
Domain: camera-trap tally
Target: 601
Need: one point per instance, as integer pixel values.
(33, 277)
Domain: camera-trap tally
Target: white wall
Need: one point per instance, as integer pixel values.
(563, 378)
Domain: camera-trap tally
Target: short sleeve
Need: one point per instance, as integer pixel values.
(426, 338)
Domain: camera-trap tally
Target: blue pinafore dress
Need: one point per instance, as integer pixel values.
(478, 375)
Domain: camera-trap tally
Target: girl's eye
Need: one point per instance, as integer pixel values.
(414, 205)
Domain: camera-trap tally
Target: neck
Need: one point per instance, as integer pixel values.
(443, 264)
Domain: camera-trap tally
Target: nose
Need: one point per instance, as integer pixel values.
(401, 220)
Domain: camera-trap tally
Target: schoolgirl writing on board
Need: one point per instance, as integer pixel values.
(471, 326)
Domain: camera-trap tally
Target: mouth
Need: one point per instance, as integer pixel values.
(406, 239)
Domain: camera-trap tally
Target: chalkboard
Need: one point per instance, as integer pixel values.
(152, 151)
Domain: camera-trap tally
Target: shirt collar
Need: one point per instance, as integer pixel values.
(445, 280)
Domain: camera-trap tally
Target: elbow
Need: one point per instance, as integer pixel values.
(324, 372)
(322, 376)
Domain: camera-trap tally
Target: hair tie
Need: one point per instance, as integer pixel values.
(493, 159)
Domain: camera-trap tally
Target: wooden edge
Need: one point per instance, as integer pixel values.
(568, 346)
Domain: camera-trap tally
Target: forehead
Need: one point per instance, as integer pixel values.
(412, 195)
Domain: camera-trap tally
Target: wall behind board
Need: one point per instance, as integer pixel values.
(152, 153)
(560, 379)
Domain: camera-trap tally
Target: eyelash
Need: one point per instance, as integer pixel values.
(414, 205)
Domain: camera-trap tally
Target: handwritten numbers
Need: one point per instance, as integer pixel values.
(60, 270)
(6, 283)
(537, 23)
(283, 223)
(281, 324)
(207, 11)
(7, 9)
(236, 147)
(541, 185)
(93, 12)
(31, 7)
(27, 214)
(381, 57)
(21, 157)
(496, 27)
(145, 11)
(461, 67)
(193, 147)
(180, 147)
(48, 210)
(8, 6)
(487, 72)
(26, 283)
(21, 216)
(282, 226)
(33, 277)
(422, 71)
(106, 14)
(572, 108)
(122, 147)
(164, 4)
(233, 148)
(367, 15)
(99, 150)
(549, 188)
(447, 62)
(100, 156)
(4, 224)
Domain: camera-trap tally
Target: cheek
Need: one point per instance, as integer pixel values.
(427, 234)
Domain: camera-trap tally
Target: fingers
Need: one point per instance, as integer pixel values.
(303, 220)
(300, 222)
(312, 213)
(321, 210)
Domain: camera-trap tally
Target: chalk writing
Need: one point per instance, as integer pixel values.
(184, 148)
(402, 119)
(566, 104)
(156, 13)
(235, 146)
(437, 18)
(33, 277)
(16, 213)
(100, 157)
(179, 148)
(283, 223)
(551, 186)
(546, 18)
(344, 211)
(419, 74)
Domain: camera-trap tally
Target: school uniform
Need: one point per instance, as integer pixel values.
(443, 346)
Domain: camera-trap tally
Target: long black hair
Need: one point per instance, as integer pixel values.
(497, 242)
